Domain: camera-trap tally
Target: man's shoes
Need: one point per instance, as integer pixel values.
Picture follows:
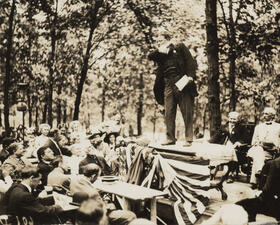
(169, 143)
(188, 144)
(230, 179)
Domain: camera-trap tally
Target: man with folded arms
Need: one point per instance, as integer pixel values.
(175, 62)
(232, 135)
(265, 141)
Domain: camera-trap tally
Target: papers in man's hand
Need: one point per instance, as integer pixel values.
(165, 48)
(180, 84)
(64, 201)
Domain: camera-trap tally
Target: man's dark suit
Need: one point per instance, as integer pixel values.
(44, 169)
(100, 161)
(168, 95)
(238, 133)
(20, 202)
(268, 202)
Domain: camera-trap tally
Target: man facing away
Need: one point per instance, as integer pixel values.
(174, 61)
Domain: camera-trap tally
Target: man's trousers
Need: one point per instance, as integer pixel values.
(172, 98)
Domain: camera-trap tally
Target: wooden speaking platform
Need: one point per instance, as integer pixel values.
(177, 148)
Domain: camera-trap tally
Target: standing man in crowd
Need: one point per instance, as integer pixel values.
(265, 141)
(174, 61)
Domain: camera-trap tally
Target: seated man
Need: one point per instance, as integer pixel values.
(96, 154)
(84, 182)
(45, 157)
(58, 176)
(268, 202)
(265, 141)
(233, 135)
(4, 154)
(16, 161)
(19, 200)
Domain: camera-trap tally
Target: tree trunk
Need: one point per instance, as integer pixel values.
(58, 111)
(8, 66)
(139, 114)
(65, 113)
(36, 115)
(29, 108)
(212, 47)
(51, 67)
(140, 105)
(93, 25)
(44, 119)
(103, 104)
(232, 58)
(58, 106)
(0, 117)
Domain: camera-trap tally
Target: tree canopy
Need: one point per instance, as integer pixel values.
(86, 59)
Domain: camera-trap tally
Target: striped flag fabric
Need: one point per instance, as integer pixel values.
(186, 178)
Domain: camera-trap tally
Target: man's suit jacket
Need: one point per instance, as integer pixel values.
(20, 202)
(272, 184)
(98, 160)
(185, 65)
(239, 133)
(57, 178)
(80, 184)
(44, 169)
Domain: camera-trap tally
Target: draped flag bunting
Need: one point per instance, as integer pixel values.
(186, 178)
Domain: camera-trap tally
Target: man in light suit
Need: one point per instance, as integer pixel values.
(174, 61)
(83, 183)
(265, 141)
(58, 176)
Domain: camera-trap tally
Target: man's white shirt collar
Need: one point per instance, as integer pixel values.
(26, 185)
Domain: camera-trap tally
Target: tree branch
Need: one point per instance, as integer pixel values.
(238, 12)
(224, 19)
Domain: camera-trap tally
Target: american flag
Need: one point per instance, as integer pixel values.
(185, 177)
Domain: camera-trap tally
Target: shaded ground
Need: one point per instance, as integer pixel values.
(235, 191)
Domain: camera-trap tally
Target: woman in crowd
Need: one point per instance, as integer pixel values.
(63, 143)
(40, 141)
(110, 139)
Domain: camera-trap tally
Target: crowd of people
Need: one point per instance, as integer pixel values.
(68, 161)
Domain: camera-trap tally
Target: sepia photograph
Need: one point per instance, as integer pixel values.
(140, 112)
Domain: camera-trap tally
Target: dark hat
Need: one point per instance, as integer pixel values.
(106, 139)
(53, 146)
(93, 132)
(79, 197)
